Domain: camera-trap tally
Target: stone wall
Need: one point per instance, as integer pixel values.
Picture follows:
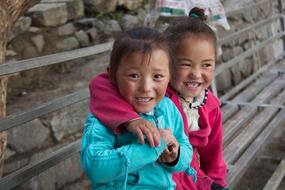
(61, 25)
(234, 75)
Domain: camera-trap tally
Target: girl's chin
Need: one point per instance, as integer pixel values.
(191, 95)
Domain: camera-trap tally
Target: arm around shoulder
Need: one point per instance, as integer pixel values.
(107, 104)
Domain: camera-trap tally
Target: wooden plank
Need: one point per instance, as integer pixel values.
(256, 125)
(276, 178)
(10, 68)
(250, 153)
(253, 77)
(248, 134)
(56, 104)
(247, 94)
(31, 170)
(280, 71)
(246, 113)
(256, 105)
(236, 123)
(279, 66)
(214, 87)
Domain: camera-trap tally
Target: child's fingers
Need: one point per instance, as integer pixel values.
(148, 135)
(145, 128)
(140, 136)
(152, 134)
(155, 135)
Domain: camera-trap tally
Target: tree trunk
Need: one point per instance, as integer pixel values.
(10, 11)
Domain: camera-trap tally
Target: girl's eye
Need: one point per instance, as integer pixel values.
(184, 64)
(134, 76)
(208, 65)
(158, 76)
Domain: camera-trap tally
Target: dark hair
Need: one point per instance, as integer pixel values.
(195, 25)
(140, 39)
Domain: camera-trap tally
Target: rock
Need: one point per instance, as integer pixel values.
(33, 130)
(49, 14)
(68, 43)
(100, 5)
(75, 8)
(66, 29)
(39, 42)
(83, 38)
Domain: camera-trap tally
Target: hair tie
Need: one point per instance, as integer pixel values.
(199, 13)
(194, 15)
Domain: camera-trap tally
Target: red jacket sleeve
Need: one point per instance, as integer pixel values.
(108, 105)
(211, 156)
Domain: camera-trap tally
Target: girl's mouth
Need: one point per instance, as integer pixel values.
(144, 99)
(192, 84)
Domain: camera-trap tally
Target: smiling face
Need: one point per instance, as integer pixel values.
(194, 66)
(142, 80)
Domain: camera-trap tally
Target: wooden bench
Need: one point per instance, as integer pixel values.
(251, 111)
(250, 119)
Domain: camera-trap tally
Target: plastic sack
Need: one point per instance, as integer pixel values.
(172, 8)
(166, 8)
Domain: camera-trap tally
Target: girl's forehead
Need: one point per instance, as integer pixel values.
(156, 58)
(192, 42)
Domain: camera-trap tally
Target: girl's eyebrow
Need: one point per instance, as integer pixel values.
(160, 69)
(184, 59)
(208, 60)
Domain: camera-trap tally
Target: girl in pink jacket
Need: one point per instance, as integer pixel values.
(195, 50)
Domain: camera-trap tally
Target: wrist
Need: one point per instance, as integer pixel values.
(126, 124)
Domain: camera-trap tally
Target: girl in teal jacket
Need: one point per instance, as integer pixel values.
(139, 69)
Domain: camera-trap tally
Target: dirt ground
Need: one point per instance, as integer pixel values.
(58, 84)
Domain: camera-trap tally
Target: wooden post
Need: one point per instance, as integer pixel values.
(10, 11)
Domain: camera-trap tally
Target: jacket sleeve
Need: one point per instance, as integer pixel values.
(108, 105)
(214, 165)
(102, 162)
(177, 127)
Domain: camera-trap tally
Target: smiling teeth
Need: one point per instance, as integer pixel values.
(144, 99)
(192, 84)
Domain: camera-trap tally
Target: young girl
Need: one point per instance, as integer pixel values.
(195, 49)
(139, 72)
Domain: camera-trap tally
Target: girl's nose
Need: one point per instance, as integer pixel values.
(145, 85)
(195, 73)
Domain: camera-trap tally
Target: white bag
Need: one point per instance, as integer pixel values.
(172, 8)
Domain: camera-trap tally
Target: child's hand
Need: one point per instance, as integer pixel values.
(142, 127)
(170, 154)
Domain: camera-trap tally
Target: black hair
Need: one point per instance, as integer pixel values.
(139, 39)
(195, 25)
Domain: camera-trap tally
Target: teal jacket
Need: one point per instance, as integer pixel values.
(120, 162)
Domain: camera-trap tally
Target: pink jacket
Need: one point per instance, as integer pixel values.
(108, 105)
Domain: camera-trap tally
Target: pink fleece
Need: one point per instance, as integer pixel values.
(111, 109)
